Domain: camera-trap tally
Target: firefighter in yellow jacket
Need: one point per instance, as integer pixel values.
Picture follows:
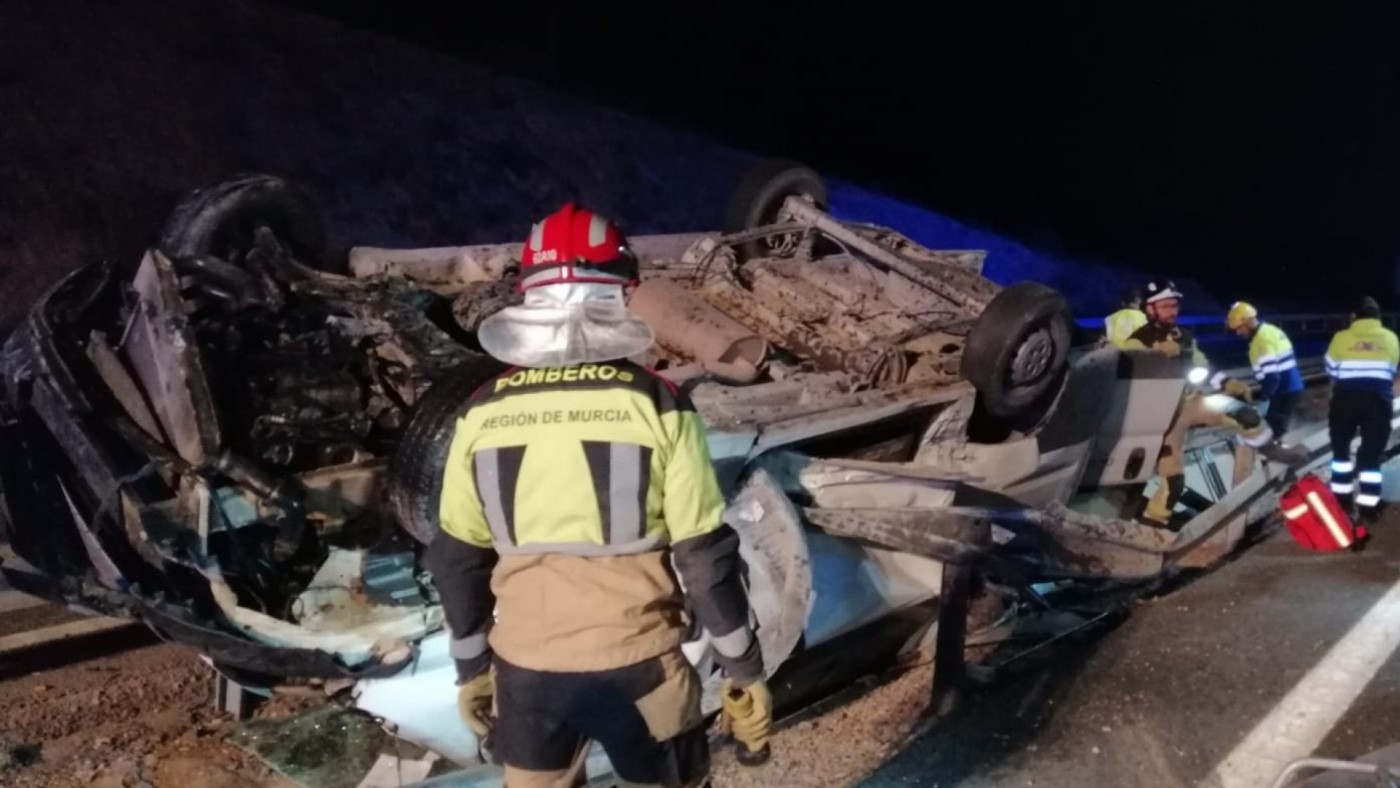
(1162, 304)
(572, 482)
(1361, 360)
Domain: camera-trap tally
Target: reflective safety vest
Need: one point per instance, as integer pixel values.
(1364, 356)
(577, 503)
(1275, 366)
(1121, 324)
(592, 460)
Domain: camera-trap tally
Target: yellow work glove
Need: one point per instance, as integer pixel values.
(1168, 347)
(1239, 389)
(474, 703)
(748, 713)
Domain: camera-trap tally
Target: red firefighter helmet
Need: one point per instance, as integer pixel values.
(574, 244)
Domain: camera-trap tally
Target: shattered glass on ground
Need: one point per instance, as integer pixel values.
(328, 747)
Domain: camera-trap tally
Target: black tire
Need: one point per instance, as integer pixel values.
(221, 221)
(759, 197)
(1018, 348)
(415, 470)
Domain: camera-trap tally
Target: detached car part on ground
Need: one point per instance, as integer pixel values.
(244, 448)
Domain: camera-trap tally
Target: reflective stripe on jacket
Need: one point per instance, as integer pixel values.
(1364, 357)
(586, 481)
(1121, 324)
(1275, 366)
(597, 459)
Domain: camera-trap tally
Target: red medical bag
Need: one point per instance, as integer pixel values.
(1315, 519)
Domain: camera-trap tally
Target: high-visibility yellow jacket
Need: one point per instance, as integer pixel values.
(1275, 366)
(1121, 324)
(585, 481)
(1364, 356)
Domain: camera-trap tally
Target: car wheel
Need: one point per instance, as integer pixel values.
(415, 471)
(758, 201)
(222, 220)
(1018, 348)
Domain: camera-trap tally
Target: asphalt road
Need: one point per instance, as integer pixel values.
(1205, 685)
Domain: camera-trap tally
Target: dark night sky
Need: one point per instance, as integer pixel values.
(1231, 144)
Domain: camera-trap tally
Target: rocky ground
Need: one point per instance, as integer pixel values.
(138, 717)
(844, 740)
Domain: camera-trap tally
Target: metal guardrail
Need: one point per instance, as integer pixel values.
(1299, 323)
(1313, 370)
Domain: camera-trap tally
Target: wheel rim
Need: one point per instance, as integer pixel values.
(1033, 358)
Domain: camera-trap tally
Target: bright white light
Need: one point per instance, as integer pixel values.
(1219, 403)
(1197, 375)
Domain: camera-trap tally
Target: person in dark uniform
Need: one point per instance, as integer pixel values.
(1361, 361)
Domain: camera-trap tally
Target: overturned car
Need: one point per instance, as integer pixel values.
(241, 444)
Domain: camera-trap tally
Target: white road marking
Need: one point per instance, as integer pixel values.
(12, 601)
(1299, 723)
(57, 632)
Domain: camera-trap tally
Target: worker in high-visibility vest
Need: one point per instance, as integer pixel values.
(1361, 360)
(1129, 318)
(1275, 366)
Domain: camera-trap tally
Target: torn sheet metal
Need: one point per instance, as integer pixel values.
(774, 549)
(355, 631)
(162, 349)
(107, 572)
(125, 388)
